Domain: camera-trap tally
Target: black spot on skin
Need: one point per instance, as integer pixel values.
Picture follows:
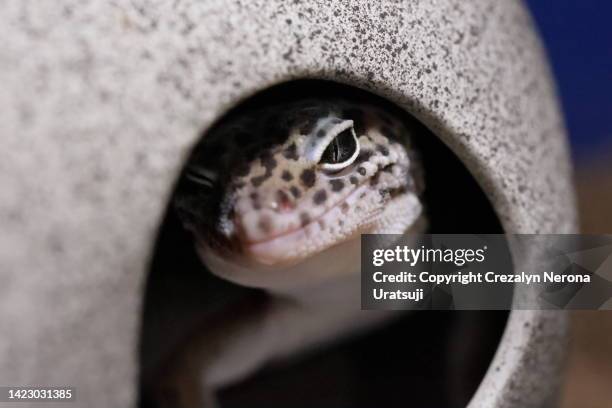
(374, 180)
(304, 219)
(295, 191)
(319, 197)
(398, 191)
(362, 195)
(268, 162)
(265, 224)
(308, 178)
(255, 201)
(364, 156)
(257, 181)
(307, 127)
(287, 176)
(321, 133)
(382, 149)
(336, 185)
(344, 207)
(290, 152)
(354, 180)
(362, 171)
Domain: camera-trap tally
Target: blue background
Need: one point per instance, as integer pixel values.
(578, 38)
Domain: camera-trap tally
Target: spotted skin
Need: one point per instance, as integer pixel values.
(269, 179)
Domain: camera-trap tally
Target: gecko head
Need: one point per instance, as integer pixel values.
(283, 184)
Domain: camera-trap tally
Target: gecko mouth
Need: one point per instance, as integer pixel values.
(295, 244)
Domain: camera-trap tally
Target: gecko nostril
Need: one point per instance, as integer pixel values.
(283, 201)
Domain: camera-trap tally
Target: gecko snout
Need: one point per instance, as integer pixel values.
(264, 214)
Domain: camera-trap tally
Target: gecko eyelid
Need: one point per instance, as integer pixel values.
(203, 177)
(341, 151)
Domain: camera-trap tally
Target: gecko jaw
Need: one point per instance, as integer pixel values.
(295, 244)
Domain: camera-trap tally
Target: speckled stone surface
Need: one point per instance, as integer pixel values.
(101, 101)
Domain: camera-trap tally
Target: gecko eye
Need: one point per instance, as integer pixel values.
(202, 177)
(341, 151)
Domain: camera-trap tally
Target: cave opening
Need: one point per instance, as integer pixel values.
(431, 358)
